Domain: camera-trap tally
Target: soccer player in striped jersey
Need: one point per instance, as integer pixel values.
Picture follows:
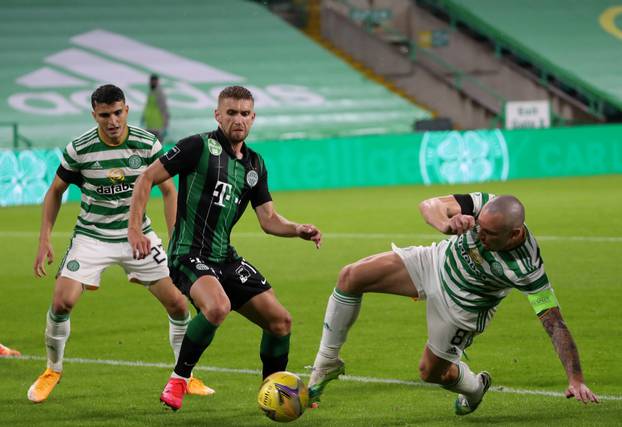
(218, 176)
(463, 279)
(104, 162)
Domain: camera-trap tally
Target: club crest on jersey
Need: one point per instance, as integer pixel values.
(496, 268)
(214, 147)
(252, 178)
(116, 176)
(73, 265)
(134, 161)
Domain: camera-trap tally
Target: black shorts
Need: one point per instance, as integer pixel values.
(240, 280)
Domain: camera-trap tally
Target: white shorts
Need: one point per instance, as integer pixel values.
(88, 257)
(445, 339)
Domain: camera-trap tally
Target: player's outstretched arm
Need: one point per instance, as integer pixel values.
(445, 214)
(169, 195)
(273, 223)
(155, 174)
(51, 206)
(566, 349)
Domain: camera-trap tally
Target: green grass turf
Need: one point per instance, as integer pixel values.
(123, 322)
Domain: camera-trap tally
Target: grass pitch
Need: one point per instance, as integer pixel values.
(119, 357)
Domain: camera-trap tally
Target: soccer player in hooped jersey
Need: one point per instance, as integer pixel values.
(218, 176)
(463, 279)
(104, 162)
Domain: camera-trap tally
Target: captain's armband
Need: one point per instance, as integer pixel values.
(543, 300)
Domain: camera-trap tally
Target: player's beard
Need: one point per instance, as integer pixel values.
(235, 137)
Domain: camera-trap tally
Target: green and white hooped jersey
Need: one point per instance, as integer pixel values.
(474, 280)
(106, 177)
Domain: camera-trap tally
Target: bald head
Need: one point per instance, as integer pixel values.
(509, 208)
(501, 223)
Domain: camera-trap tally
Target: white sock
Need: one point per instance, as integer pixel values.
(57, 329)
(467, 384)
(341, 313)
(174, 375)
(176, 332)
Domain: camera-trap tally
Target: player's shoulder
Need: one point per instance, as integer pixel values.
(482, 197)
(197, 139)
(255, 157)
(190, 147)
(528, 256)
(84, 140)
(531, 244)
(141, 135)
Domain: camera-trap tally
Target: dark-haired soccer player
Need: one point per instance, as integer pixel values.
(218, 176)
(104, 162)
(463, 279)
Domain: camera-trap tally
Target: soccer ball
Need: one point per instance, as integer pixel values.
(283, 396)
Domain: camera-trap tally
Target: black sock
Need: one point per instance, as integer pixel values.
(274, 353)
(198, 337)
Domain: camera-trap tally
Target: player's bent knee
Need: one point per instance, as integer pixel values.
(282, 326)
(436, 373)
(177, 306)
(347, 279)
(62, 306)
(353, 280)
(217, 314)
(426, 374)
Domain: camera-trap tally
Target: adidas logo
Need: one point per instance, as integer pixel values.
(101, 56)
(452, 350)
(96, 165)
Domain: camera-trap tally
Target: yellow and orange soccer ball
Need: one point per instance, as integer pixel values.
(283, 396)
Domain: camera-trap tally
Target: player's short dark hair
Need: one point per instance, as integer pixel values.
(235, 92)
(107, 94)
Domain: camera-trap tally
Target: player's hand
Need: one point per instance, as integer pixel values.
(582, 393)
(309, 232)
(460, 224)
(45, 251)
(140, 244)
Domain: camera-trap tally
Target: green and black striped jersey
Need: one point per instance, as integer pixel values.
(214, 190)
(106, 175)
(475, 280)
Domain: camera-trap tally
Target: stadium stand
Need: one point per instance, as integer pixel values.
(54, 53)
(462, 60)
(543, 36)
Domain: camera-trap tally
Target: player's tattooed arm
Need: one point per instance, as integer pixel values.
(566, 348)
(563, 343)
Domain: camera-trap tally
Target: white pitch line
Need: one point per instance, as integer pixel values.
(367, 380)
(364, 236)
